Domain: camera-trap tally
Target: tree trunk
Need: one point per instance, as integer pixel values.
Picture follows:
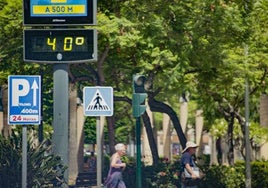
(219, 150)
(111, 131)
(151, 139)
(230, 139)
(73, 164)
(157, 106)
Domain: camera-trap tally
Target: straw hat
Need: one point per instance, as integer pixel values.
(190, 145)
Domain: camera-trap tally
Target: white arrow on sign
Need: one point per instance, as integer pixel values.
(34, 88)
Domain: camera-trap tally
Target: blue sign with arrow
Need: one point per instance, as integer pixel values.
(24, 99)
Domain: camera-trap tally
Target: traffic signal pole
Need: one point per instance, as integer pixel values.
(138, 108)
(138, 149)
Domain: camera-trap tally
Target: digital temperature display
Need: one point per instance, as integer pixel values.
(60, 45)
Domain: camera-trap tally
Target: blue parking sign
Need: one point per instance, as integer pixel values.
(24, 99)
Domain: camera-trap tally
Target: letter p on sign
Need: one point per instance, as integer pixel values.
(20, 88)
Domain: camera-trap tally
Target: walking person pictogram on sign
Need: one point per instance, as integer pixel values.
(98, 101)
(97, 104)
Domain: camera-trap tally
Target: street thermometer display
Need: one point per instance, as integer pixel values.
(60, 45)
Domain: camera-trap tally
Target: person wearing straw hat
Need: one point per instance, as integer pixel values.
(188, 166)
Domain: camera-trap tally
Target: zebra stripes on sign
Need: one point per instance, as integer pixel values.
(98, 101)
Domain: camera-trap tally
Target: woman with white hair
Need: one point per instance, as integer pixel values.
(115, 179)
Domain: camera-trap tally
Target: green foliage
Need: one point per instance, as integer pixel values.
(225, 176)
(203, 54)
(10, 166)
(43, 168)
(90, 131)
(219, 128)
(259, 175)
(234, 176)
(129, 174)
(106, 165)
(167, 174)
(11, 37)
(258, 134)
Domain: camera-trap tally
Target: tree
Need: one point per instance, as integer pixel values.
(199, 54)
(219, 54)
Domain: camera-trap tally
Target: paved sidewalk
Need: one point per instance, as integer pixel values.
(86, 180)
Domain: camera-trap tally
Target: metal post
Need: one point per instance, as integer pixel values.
(24, 156)
(99, 152)
(138, 154)
(60, 138)
(248, 173)
(40, 128)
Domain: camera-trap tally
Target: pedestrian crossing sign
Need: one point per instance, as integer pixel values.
(98, 101)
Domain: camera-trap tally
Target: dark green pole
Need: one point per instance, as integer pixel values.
(138, 147)
(138, 108)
